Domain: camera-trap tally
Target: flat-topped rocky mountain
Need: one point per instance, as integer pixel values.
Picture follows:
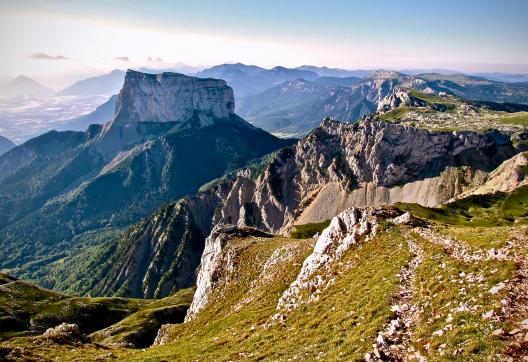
(170, 134)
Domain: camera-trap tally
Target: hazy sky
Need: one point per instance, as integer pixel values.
(61, 40)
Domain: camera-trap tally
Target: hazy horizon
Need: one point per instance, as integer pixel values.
(57, 42)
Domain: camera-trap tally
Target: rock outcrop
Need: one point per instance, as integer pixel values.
(345, 230)
(214, 260)
(172, 97)
(399, 97)
(168, 98)
(65, 333)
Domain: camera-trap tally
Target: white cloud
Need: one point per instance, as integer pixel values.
(45, 56)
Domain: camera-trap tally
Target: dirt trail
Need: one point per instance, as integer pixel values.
(394, 342)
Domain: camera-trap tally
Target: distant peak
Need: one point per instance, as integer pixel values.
(24, 79)
(382, 73)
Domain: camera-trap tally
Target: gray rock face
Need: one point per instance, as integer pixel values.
(371, 152)
(167, 98)
(65, 332)
(172, 97)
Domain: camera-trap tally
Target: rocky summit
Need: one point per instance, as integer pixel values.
(172, 97)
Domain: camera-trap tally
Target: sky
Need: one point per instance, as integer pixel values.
(58, 41)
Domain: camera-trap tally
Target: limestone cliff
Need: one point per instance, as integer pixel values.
(373, 162)
(171, 99)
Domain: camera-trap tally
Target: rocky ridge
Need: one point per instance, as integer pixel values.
(372, 152)
(325, 171)
(345, 230)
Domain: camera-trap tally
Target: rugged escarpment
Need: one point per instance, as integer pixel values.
(172, 97)
(372, 162)
(167, 100)
(170, 135)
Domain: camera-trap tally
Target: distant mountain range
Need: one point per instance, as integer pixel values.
(296, 107)
(335, 72)
(5, 145)
(249, 79)
(106, 84)
(266, 97)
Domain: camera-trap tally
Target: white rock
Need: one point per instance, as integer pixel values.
(497, 288)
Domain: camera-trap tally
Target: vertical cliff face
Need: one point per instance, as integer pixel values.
(149, 104)
(172, 97)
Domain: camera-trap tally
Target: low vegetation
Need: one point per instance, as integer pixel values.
(520, 118)
(305, 231)
(140, 328)
(459, 312)
(28, 309)
(499, 209)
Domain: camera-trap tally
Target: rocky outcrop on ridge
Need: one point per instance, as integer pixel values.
(345, 230)
(214, 260)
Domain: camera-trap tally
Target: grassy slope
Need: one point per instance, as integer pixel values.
(516, 118)
(499, 209)
(343, 323)
(141, 327)
(445, 284)
(25, 307)
(340, 325)
(308, 230)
